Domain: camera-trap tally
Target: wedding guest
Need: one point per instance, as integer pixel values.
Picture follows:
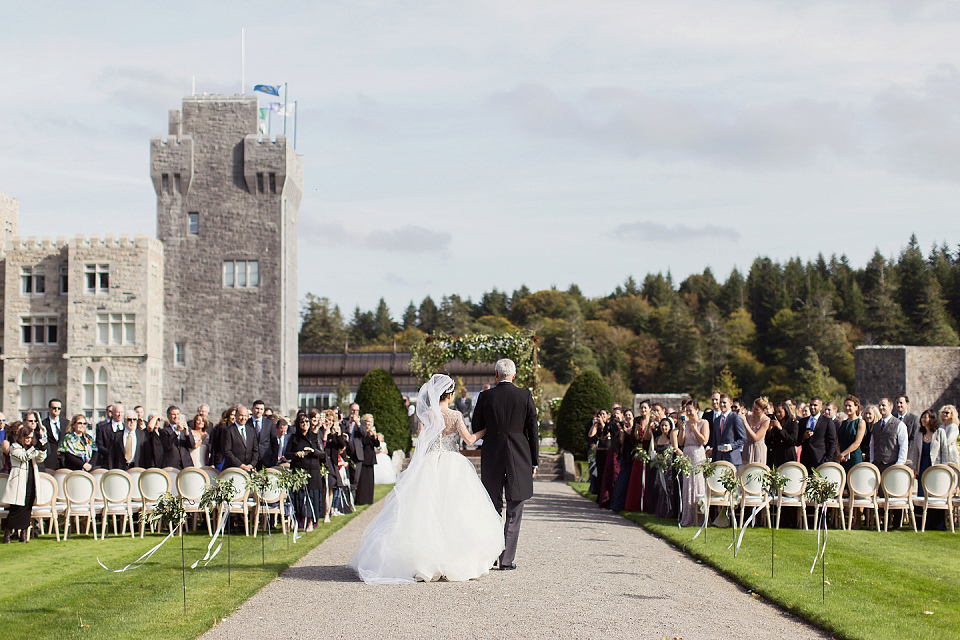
(641, 431)
(950, 423)
(850, 434)
(368, 440)
(627, 444)
(871, 415)
(757, 423)
(153, 448)
(595, 462)
(4, 445)
(199, 426)
(78, 447)
(696, 434)
(901, 411)
(611, 468)
(781, 436)
(21, 490)
(337, 480)
(384, 471)
(889, 440)
(818, 435)
(303, 454)
(929, 447)
(176, 440)
(129, 444)
(665, 496)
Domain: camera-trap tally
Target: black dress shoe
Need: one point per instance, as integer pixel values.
(508, 567)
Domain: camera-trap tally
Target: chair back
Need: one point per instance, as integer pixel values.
(796, 475)
(240, 479)
(897, 481)
(116, 486)
(59, 476)
(273, 493)
(153, 484)
(938, 482)
(863, 480)
(135, 473)
(834, 472)
(750, 478)
(173, 474)
(80, 487)
(97, 475)
(3, 482)
(713, 482)
(191, 482)
(46, 491)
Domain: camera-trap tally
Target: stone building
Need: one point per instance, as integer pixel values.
(204, 313)
(929, 376)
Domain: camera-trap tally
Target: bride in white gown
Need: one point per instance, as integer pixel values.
(438, 522)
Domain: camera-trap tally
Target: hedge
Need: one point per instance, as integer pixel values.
(586, 394)
(378, 395)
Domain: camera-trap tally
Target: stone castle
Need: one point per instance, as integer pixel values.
(206, 312)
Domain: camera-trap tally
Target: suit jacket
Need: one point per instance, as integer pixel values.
(709, 416)
(52, 463)
(103, 457)
(176, 447)
(354, 433)
(821, 446)
(734, 433)
(238, 450)
(272, 449)
(912, 421)
(267, 431)
(142, 455)
(511, 445)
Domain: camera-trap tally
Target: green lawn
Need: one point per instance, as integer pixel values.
(879, 585)
(57, 590)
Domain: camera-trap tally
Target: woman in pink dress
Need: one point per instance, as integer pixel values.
(757, 422)
(696, 433)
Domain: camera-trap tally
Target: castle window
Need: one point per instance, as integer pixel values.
(38, 330)
(97, 277)
(273, 183)
(64, 280)
(176, 182)
(259, 183)
(193, 223)
(94, 393)
(165, 183)
(241, 273)
(32, 281)
(116, 328)
(179, 354)
(37, 387)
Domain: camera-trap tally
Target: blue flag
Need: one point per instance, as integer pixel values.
(266, 88)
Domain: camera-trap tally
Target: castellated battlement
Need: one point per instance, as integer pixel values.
(263, 158)
(173, 158)
(46, 244)
(123, 241)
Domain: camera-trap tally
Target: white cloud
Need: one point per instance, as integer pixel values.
(648, 231)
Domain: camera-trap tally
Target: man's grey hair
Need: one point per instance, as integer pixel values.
(130, 413)
(506, 369)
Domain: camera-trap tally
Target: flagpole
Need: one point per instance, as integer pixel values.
(243, 61)
(295, 124)
(284, 108)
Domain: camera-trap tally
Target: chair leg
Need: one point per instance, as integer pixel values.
(876, 513)
(950, 516)
(143, 522)
(103, 530)
(56, 524)
(923, 526)
(912, 516)
(886, 517)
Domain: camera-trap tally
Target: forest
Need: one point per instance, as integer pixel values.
(780, 329)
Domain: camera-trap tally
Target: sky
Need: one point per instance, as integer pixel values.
(454, 147)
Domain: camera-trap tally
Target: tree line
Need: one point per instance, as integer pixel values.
(780, 329)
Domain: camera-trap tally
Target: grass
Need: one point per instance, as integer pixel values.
(898, 584)
(57, 589)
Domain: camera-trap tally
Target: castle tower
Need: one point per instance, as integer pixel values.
(227, 205)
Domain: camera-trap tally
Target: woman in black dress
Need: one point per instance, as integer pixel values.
(21, 490)
(781, 438)
(303, 452)
(369, 441)
(666, 495)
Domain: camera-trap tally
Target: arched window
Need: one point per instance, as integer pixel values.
(37, 387)
(94, 393)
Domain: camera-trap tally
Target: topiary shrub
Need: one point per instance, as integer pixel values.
(586, 394)
(379, 396)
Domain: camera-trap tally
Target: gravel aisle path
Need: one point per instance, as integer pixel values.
(582, 572)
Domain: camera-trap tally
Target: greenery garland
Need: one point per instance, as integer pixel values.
(168, 511)
(216, 493)
(432, 353)
(294, 480)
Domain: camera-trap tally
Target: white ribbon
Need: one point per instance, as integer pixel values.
(821, 549)
(139, 561)
(733, 520)
(680, 493)
(743, 526)
(701, 503)
(220, 529)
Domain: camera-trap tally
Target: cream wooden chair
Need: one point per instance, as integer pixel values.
(271, 504)
(834, 472)
(792, 493)
(897, 485)
(116, 487)
(863, 483)
(153, 484)
(938, 484)
(241, 502)
(3, 487)
(751, 489)
(955, 500)
(190, 484)
(716, 494)
(80, 489)
(45, 505)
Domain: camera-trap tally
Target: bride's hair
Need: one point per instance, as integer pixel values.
(448, 393)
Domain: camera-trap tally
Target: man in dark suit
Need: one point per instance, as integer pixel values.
(731, 432)
(55, 431)
(818, 435)
(271, 453)
(709, 415)
(239, 443)
(129, 444)
(106, 430)
(176, 441)
(509, 458)
(263, 425)
(353, 430)
(902, 413)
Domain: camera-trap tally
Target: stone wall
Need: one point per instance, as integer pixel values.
(930, 376)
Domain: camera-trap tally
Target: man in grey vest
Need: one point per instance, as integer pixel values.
(888, 445)
(902, 412)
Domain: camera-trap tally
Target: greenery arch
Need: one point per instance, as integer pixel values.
(432, 354)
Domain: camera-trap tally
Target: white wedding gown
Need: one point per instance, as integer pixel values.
(443, 526)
